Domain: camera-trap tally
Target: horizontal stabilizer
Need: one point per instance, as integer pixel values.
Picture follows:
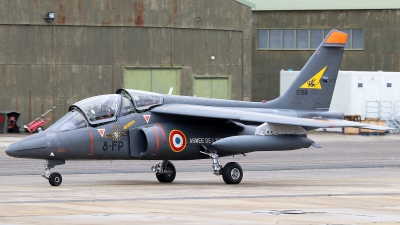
(315, 145)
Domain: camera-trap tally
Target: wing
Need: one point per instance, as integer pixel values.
(234, 114)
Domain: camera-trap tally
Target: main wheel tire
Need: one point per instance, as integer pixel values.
(232, 173)
(167, 178)
(55, 179)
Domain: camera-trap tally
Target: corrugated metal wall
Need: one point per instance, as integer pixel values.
(381, 46)
(86, 49)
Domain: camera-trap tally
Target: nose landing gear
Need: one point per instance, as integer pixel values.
(55, 179)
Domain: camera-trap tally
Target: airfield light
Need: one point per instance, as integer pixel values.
(50, 16)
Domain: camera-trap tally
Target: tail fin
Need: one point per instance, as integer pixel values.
(313, 87)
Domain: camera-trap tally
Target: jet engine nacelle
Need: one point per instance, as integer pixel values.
(161, 141)
(251, 143)
(147, 142)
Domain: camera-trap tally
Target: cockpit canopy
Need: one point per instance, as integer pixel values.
(99, 109)
(107, 108)
(143, 100)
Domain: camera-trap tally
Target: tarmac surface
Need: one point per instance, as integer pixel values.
(350, 180)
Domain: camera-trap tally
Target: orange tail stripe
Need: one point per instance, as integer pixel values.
(336, 37)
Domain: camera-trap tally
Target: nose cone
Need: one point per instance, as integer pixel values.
(28, 147)
(12, 150)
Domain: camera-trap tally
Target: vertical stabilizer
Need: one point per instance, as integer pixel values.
(313, 87)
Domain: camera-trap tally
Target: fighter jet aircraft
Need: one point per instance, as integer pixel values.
(139, 125)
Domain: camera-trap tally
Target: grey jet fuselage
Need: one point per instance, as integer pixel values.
(150, 137)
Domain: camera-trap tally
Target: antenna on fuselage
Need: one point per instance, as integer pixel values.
(170, 90)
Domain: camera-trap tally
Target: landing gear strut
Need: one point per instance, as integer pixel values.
(232, 173)
(217, 166)
(165, 171)
(55, 179)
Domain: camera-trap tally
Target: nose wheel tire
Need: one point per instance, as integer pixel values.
(55, 179)
(169, 176)
(232, 173)
(39, 129)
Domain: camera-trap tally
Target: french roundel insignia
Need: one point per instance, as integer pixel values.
(177, 140)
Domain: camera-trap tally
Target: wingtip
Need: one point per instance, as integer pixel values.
(376, 127)
(315, 145)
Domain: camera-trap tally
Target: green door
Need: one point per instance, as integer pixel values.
(154, 80)
(213, 87)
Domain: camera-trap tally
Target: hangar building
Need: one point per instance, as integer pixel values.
(231, 49)
(59, 52)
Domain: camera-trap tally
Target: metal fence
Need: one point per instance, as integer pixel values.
(385, 110)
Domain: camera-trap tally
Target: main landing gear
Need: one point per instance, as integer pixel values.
(55, 179)
(165, 171)
(232, 173)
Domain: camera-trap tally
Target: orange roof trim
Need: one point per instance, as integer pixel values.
(336, 37)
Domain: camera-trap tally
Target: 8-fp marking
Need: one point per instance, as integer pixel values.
(115, 145)
(177, 140)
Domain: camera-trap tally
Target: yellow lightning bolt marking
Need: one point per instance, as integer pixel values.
(314, 82)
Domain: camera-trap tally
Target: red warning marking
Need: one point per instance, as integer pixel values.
(101, 131)
(164, 138)
(147, 118)
(91, 140)
(162, 130)
(91, 150)
(155, 132)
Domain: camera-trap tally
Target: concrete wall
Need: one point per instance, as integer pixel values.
(85, 50)
(381, 46)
